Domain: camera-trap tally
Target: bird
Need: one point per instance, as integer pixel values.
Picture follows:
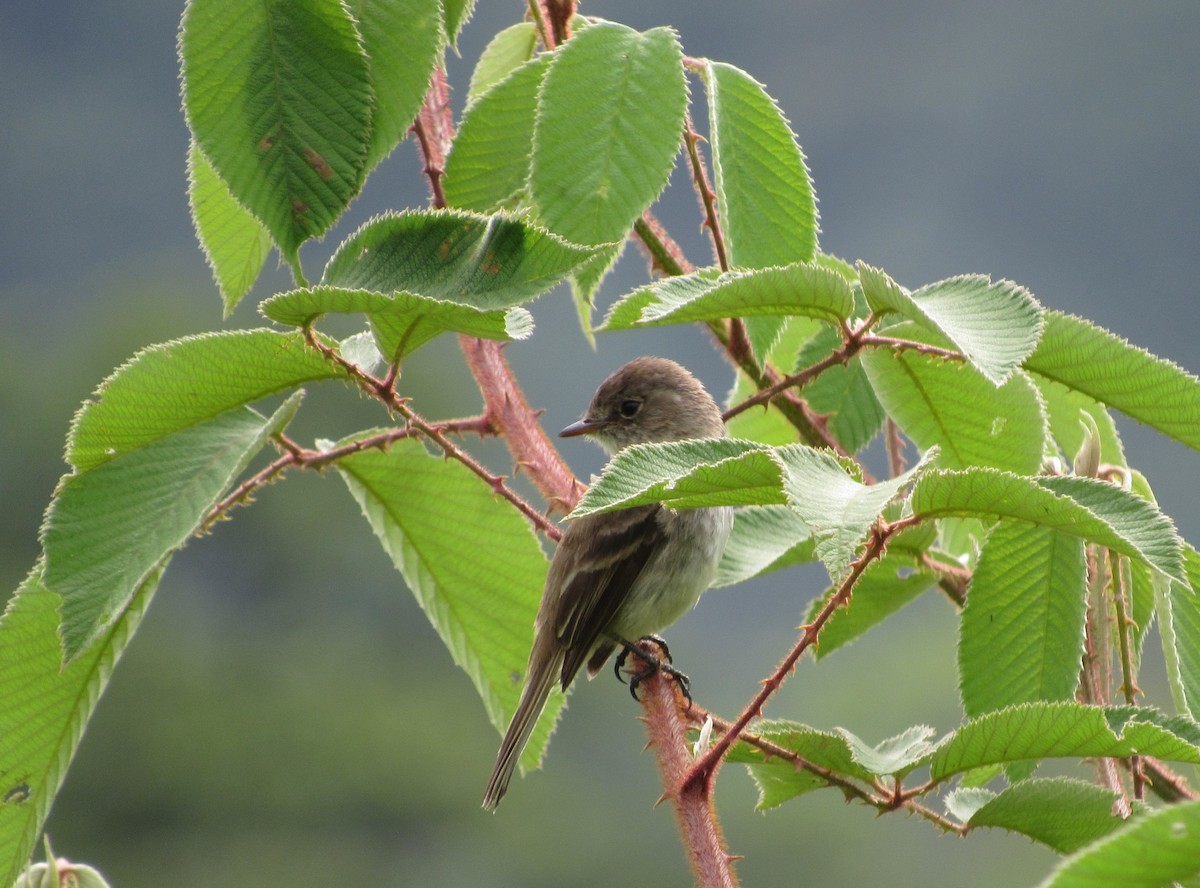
(624, 575)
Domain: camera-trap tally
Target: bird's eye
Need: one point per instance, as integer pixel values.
(630, 408)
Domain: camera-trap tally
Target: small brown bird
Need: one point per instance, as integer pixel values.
(619, 576)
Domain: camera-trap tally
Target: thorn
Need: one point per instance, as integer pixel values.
(662, 798)
(734, 858)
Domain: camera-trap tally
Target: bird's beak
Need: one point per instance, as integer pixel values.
(583, 427)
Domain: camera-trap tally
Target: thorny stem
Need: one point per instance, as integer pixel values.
(300, 457)
(504, 400)
(708, 200)
(666, 723)
(1096, 683)
(1119, 568)
(895, 447)
(434, 432)
(876, 544)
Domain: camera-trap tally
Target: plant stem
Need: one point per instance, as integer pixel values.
(667, 725)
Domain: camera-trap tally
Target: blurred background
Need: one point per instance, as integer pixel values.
(286, 716)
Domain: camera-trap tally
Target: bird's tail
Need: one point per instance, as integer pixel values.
(538, 681)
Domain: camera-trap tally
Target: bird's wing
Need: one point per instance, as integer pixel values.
(612, 548)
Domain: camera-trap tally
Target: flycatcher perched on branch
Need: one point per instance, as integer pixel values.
(619, 576)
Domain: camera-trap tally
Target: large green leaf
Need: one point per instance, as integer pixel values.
(108, 529)
(610, 119)
(687, 474)
(1151, 851)
(402, 40)
(764, 194)
(1105, 367)
(279, 98)
(489, 262)
(235, 243)
(47, 705)
(799, 289)
(470, 559)
(1063, 813)
(167, 388)
(765, 202)
(995, 325)
(489, 162)
(1057, 730)
(954, 407)
(401, 322)
(728, 472)
(1091, 510)
(1021, 636)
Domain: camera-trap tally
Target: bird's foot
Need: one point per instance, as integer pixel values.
(653, 664)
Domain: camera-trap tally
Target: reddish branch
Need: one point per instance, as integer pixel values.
(667, 724)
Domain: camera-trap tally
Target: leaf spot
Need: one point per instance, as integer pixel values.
(318, 163)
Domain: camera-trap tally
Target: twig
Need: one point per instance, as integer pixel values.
(875, 546)
(434, 433)
(708, 200)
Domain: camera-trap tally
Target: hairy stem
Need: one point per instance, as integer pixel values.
(667, 725)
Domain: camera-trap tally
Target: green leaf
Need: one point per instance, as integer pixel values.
(839, 509)
(1064, 730)
(458, 13)
(841, 753)
(109, 529)
(489, 262)
(895, 756)
(1152, 851)
(402, 40)
(1091, 510)
(402, 322)
(46, 706)
(765, 201)
(686, 474)
(279, 98)
(799, 289)
(234, 242)
(764, 539)
(995, 325)
(489, 162)
(507, 51)
(884, 588)
(1062, 813)
(609, 125)
(1065, 409)
(169, 387)
(470, 559)
(1021, 636)
(1178, 609)
(953, 407)
(1091, 360)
